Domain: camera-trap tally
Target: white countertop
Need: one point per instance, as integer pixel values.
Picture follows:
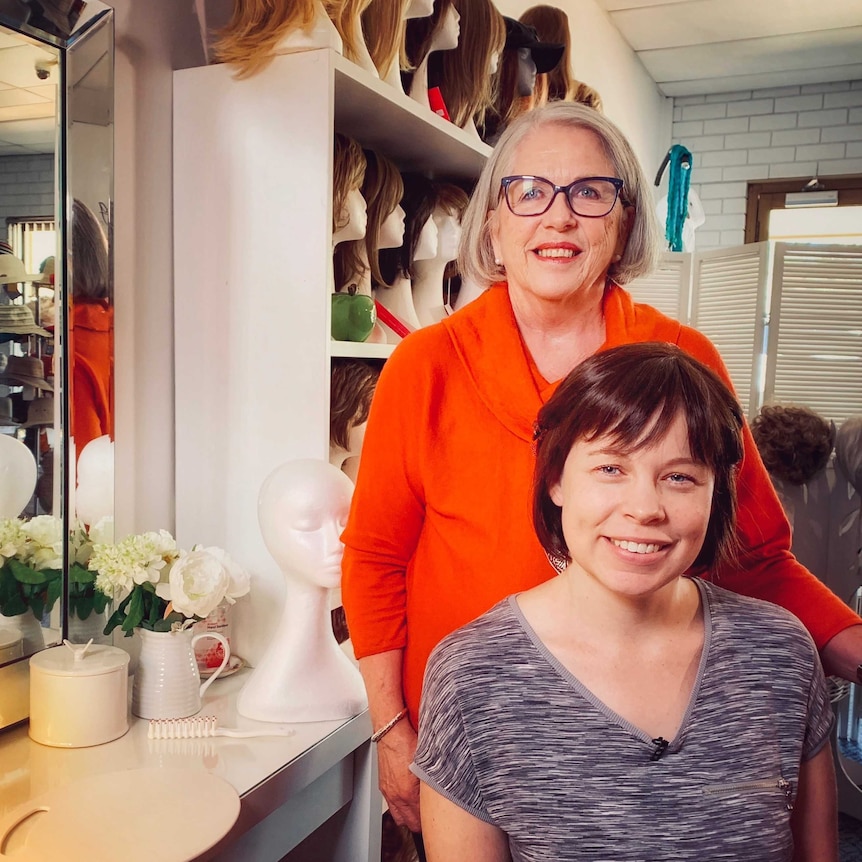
(29, 770)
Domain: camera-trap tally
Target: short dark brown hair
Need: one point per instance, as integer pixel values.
(794, 442)
(633, 394)
(351, 388)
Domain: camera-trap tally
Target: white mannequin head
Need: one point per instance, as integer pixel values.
(17, 476)
(356, 213)
(426, 244)
(419, 8)
(302, 509)
(94, 497)
(448, 32)
(392, 229)
(448, 234)
(526, 80)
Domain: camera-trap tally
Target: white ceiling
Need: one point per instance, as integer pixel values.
(28, 121)
(693, 47)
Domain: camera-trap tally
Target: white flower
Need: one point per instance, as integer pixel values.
(45, 540)
(103, 531)
(12, 539)
(136, 560)
(239, 579)
(198, 583)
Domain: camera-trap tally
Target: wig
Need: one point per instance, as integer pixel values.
(345, 14)
(384, 26)
(420, 32)
(351, 387)
(508, 105)
(348, 174)
(476, 259)
(585, 95)
(794, 442)
(848, 451)
(422, 196)
(633, 394)
(248, 41)
(91, 271)
(462, 74)
(552, 25)
(382, 189)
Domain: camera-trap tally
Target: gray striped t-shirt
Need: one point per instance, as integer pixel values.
(509, 735)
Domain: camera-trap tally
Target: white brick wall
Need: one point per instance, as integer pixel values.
(26, 187)
(780, 133)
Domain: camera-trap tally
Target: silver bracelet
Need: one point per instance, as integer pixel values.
(379, 734)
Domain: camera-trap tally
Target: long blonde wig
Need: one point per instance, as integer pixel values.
(384, 27)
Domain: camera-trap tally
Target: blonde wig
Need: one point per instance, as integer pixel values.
(476, 259)
(384, 26)
(586, 95)
(348, 173)
(552, 25)
(463, 73)
(420, 32)
(345, 14)
(249, 39)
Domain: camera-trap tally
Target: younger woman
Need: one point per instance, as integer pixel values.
(620, 711)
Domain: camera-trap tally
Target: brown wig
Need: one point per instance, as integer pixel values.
(421, 197)
(420, 32)
(351, 388)
(384, 26)
(382, 189)
(552, 25)
(91, 271)
(794, 442)
(462, 74)
(633, 394)
(585, 95)
(249, 39)
(848, 451)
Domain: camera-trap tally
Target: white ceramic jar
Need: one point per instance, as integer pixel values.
(11, 644)
(79, 695)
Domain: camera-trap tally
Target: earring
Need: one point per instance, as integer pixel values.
(616, 258)
(498, 261)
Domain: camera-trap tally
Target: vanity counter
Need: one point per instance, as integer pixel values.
(324, 773)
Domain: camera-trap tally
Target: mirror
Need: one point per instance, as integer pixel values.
(56, 322)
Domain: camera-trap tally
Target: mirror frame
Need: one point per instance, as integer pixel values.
(92, 17)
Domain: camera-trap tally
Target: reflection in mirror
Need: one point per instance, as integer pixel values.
(31, 539)
(56, 323)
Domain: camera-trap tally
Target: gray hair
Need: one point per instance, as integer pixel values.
(476, 255)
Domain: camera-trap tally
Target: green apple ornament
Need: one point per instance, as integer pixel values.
(353, 315)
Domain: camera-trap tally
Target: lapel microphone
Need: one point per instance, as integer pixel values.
(661, 745)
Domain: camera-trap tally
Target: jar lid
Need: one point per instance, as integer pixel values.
(79, 659)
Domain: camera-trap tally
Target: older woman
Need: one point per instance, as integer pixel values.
(440, 525)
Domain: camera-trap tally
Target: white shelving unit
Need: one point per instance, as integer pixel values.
(252, 258)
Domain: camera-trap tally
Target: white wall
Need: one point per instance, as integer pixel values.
(737, 138)
(604, 60)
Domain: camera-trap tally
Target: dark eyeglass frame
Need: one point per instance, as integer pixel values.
(616, 182)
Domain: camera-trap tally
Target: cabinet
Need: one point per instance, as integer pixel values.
(252, 264)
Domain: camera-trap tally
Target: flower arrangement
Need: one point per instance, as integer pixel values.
(160, 587)
(31, 565)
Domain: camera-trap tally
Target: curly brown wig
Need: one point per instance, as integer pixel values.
(794, 442)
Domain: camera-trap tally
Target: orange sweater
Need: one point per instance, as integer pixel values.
(91, 339)
(440, 528)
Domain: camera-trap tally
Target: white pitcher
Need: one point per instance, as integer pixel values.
(167, 683)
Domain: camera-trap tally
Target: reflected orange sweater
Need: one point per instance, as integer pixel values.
(91, 339)
(440, 527)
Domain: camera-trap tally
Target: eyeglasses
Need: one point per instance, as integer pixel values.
(591, 197)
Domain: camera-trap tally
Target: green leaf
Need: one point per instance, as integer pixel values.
(79, 575)
(100, 602)
(136, 611)
(84, 607)
(25, 575)
(55, 588)
(115, 620)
